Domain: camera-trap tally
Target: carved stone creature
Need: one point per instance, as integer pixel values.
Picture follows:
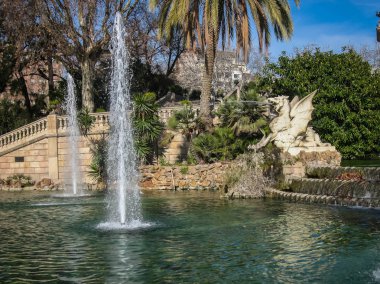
(290, 130)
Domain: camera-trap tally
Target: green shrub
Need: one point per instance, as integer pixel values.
(221, 144)
(21, 179)
(147, 126)
(173, 123)
(184, 170)
(98, 170)
(162, 161)
(184, 119)
(85, 121)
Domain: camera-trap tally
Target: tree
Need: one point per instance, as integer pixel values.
(146, 124)
(348, 100)
(81, 31)
(205, 23)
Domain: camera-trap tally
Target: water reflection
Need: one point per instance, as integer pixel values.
(195, 239)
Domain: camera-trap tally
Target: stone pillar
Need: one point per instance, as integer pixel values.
(52, 133)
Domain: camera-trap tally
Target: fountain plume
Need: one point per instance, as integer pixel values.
(70, 106)
(124, 196)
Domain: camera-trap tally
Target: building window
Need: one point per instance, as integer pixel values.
(19, 159)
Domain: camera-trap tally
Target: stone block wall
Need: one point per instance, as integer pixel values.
(40, 149)
(34, 163)
(210, 176)
(84, 158)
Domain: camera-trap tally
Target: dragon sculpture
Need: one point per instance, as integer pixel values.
(289, 129)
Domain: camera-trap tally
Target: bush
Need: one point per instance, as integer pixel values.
(184, 170)
(98, 170)
(85, 121)
(221, 144)
(147, 125)
(19, 180)
(184, 119)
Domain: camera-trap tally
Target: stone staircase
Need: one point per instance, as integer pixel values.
(40, 149)
(346, 186)
(44, 128)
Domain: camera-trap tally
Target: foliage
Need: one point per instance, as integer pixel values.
(241, 123)
(7, 63)
(98, 170)
(246, 117)
(85, 121)
(184, 119)
(165, 139)
(221, 144)
(145, 80)
(162, 161)
(348, 100)
(206, 23)
(184, 170)
(147, 125)
(12, 115)
(21, 179)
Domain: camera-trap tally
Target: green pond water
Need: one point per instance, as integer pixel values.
(194, 238)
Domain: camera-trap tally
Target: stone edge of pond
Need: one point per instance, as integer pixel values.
(321, 199)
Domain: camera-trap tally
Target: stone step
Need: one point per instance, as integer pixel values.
(322, 199)
(364, 173)
(338, 188)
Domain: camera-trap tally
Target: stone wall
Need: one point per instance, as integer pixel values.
(210, 176)
(296, 166)
(34, 161)
(85, 158)
(40, 149)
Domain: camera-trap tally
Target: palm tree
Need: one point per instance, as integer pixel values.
(207, 22)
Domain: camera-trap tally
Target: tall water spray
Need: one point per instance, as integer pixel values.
(70, 105)
(124, 200)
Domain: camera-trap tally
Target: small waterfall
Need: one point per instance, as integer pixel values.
(70, 106)
(124, 195)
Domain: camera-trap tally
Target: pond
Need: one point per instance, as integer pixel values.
(193, 238)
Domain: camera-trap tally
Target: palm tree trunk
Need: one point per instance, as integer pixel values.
(87, 84)
(208, 71)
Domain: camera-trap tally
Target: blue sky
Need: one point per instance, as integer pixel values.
(331, 24)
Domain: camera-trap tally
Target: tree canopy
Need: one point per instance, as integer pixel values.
(206, 23)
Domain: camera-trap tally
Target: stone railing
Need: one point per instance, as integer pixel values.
(164, 113)
(101, 123)
(58, 124)
(23, 134)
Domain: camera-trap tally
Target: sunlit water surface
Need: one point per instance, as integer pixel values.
(191, 238)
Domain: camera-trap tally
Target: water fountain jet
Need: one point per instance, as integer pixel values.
(70, 105)
(124, 195)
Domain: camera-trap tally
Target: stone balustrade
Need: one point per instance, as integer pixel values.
(39, 130)
(165, 113)
(40, 149)
(101, 123)
(23, 134)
